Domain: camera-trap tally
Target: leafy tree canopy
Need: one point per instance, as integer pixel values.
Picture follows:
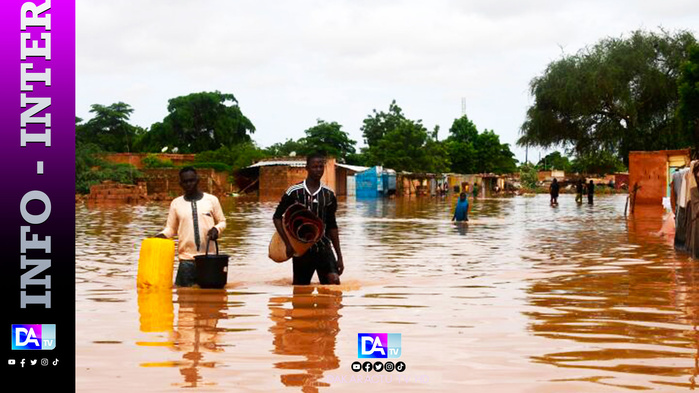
(688, 110)
(199, 122)
(328, 139)
(109, 128)
(618, 95)
(472, 152)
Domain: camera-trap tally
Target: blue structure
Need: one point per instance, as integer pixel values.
(375, 182)
(388, 178)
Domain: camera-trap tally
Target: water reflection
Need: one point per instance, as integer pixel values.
(155, 310)
(306, 324)
(629, 303)
(197, 330)
(576, 298)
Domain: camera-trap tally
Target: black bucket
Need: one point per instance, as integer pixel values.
(212, 270)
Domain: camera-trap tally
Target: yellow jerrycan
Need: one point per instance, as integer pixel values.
(155, 263)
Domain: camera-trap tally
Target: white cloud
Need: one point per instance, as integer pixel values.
(289, 63)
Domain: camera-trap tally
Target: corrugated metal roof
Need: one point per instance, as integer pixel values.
(296, 163)
(355, 168)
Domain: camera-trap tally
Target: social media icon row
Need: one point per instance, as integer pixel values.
(378, 366)
(32, 362)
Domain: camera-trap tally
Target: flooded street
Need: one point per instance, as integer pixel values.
(525, 298)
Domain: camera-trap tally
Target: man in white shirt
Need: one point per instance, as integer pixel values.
(193, 217)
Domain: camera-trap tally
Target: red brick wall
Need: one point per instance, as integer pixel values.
(167, 181)
(135, 159)
(109, 191)
(274, 180)
(649, 170)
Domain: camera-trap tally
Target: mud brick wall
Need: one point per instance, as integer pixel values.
(167, 181)
(275, 179)
(119, 193)
(135, 159)
(650, 170)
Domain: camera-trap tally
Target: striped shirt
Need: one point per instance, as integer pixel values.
(322, 203)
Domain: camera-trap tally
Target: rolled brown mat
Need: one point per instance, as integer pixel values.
(302, 227)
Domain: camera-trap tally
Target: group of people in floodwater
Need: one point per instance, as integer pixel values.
(580, 189)
(684, 200)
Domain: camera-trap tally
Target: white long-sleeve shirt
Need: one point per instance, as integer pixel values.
(181, 223)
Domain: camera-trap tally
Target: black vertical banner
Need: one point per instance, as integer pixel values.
(37, 229)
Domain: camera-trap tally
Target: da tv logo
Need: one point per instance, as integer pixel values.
(378, 345)
(33, 337)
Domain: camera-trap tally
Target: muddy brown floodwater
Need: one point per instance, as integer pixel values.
(526, 298)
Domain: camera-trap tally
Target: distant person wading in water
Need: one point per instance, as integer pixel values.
(590, 192)
(579, 188)
(461, 210)
(554, 189)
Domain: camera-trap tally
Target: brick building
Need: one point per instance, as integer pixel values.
(652, 171)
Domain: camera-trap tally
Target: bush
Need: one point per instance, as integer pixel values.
(91, 170)
(152, 161)
(217, 166)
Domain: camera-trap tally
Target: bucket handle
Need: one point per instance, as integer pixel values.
(207, 245)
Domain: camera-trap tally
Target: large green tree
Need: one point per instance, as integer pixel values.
(472, 152)
(599, 162)
(328, 139)
(376, 126)
(688, 110)
(460, 144)
(410, 147)
(199, 122)
(554, 160)
(109, 128)
(286, 148)
(618, 95)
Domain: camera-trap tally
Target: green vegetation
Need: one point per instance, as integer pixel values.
(473, 152)
(616, 96)
(152, 161)
(688, 109)
(198, 122)
(621, 94)
(528, 175)
(91, 170)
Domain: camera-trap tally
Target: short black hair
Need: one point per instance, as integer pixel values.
(314, 156)
(188, 169)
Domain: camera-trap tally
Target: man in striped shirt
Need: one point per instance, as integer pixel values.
(321, 201)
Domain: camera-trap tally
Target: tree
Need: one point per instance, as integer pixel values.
(528, 175)
(234, 157)
(492, 156)
(290, 146)
(199, 122)
(688, 109)
(471, 152)
(377, 126)
(328, 139)
(619, 95)
(409, 147)
(600, 162)
(109, 128)
(460, 145)
(554, 160)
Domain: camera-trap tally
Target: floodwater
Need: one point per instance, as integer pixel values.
(525, 298)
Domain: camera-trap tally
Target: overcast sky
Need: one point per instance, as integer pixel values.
(291, 62)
